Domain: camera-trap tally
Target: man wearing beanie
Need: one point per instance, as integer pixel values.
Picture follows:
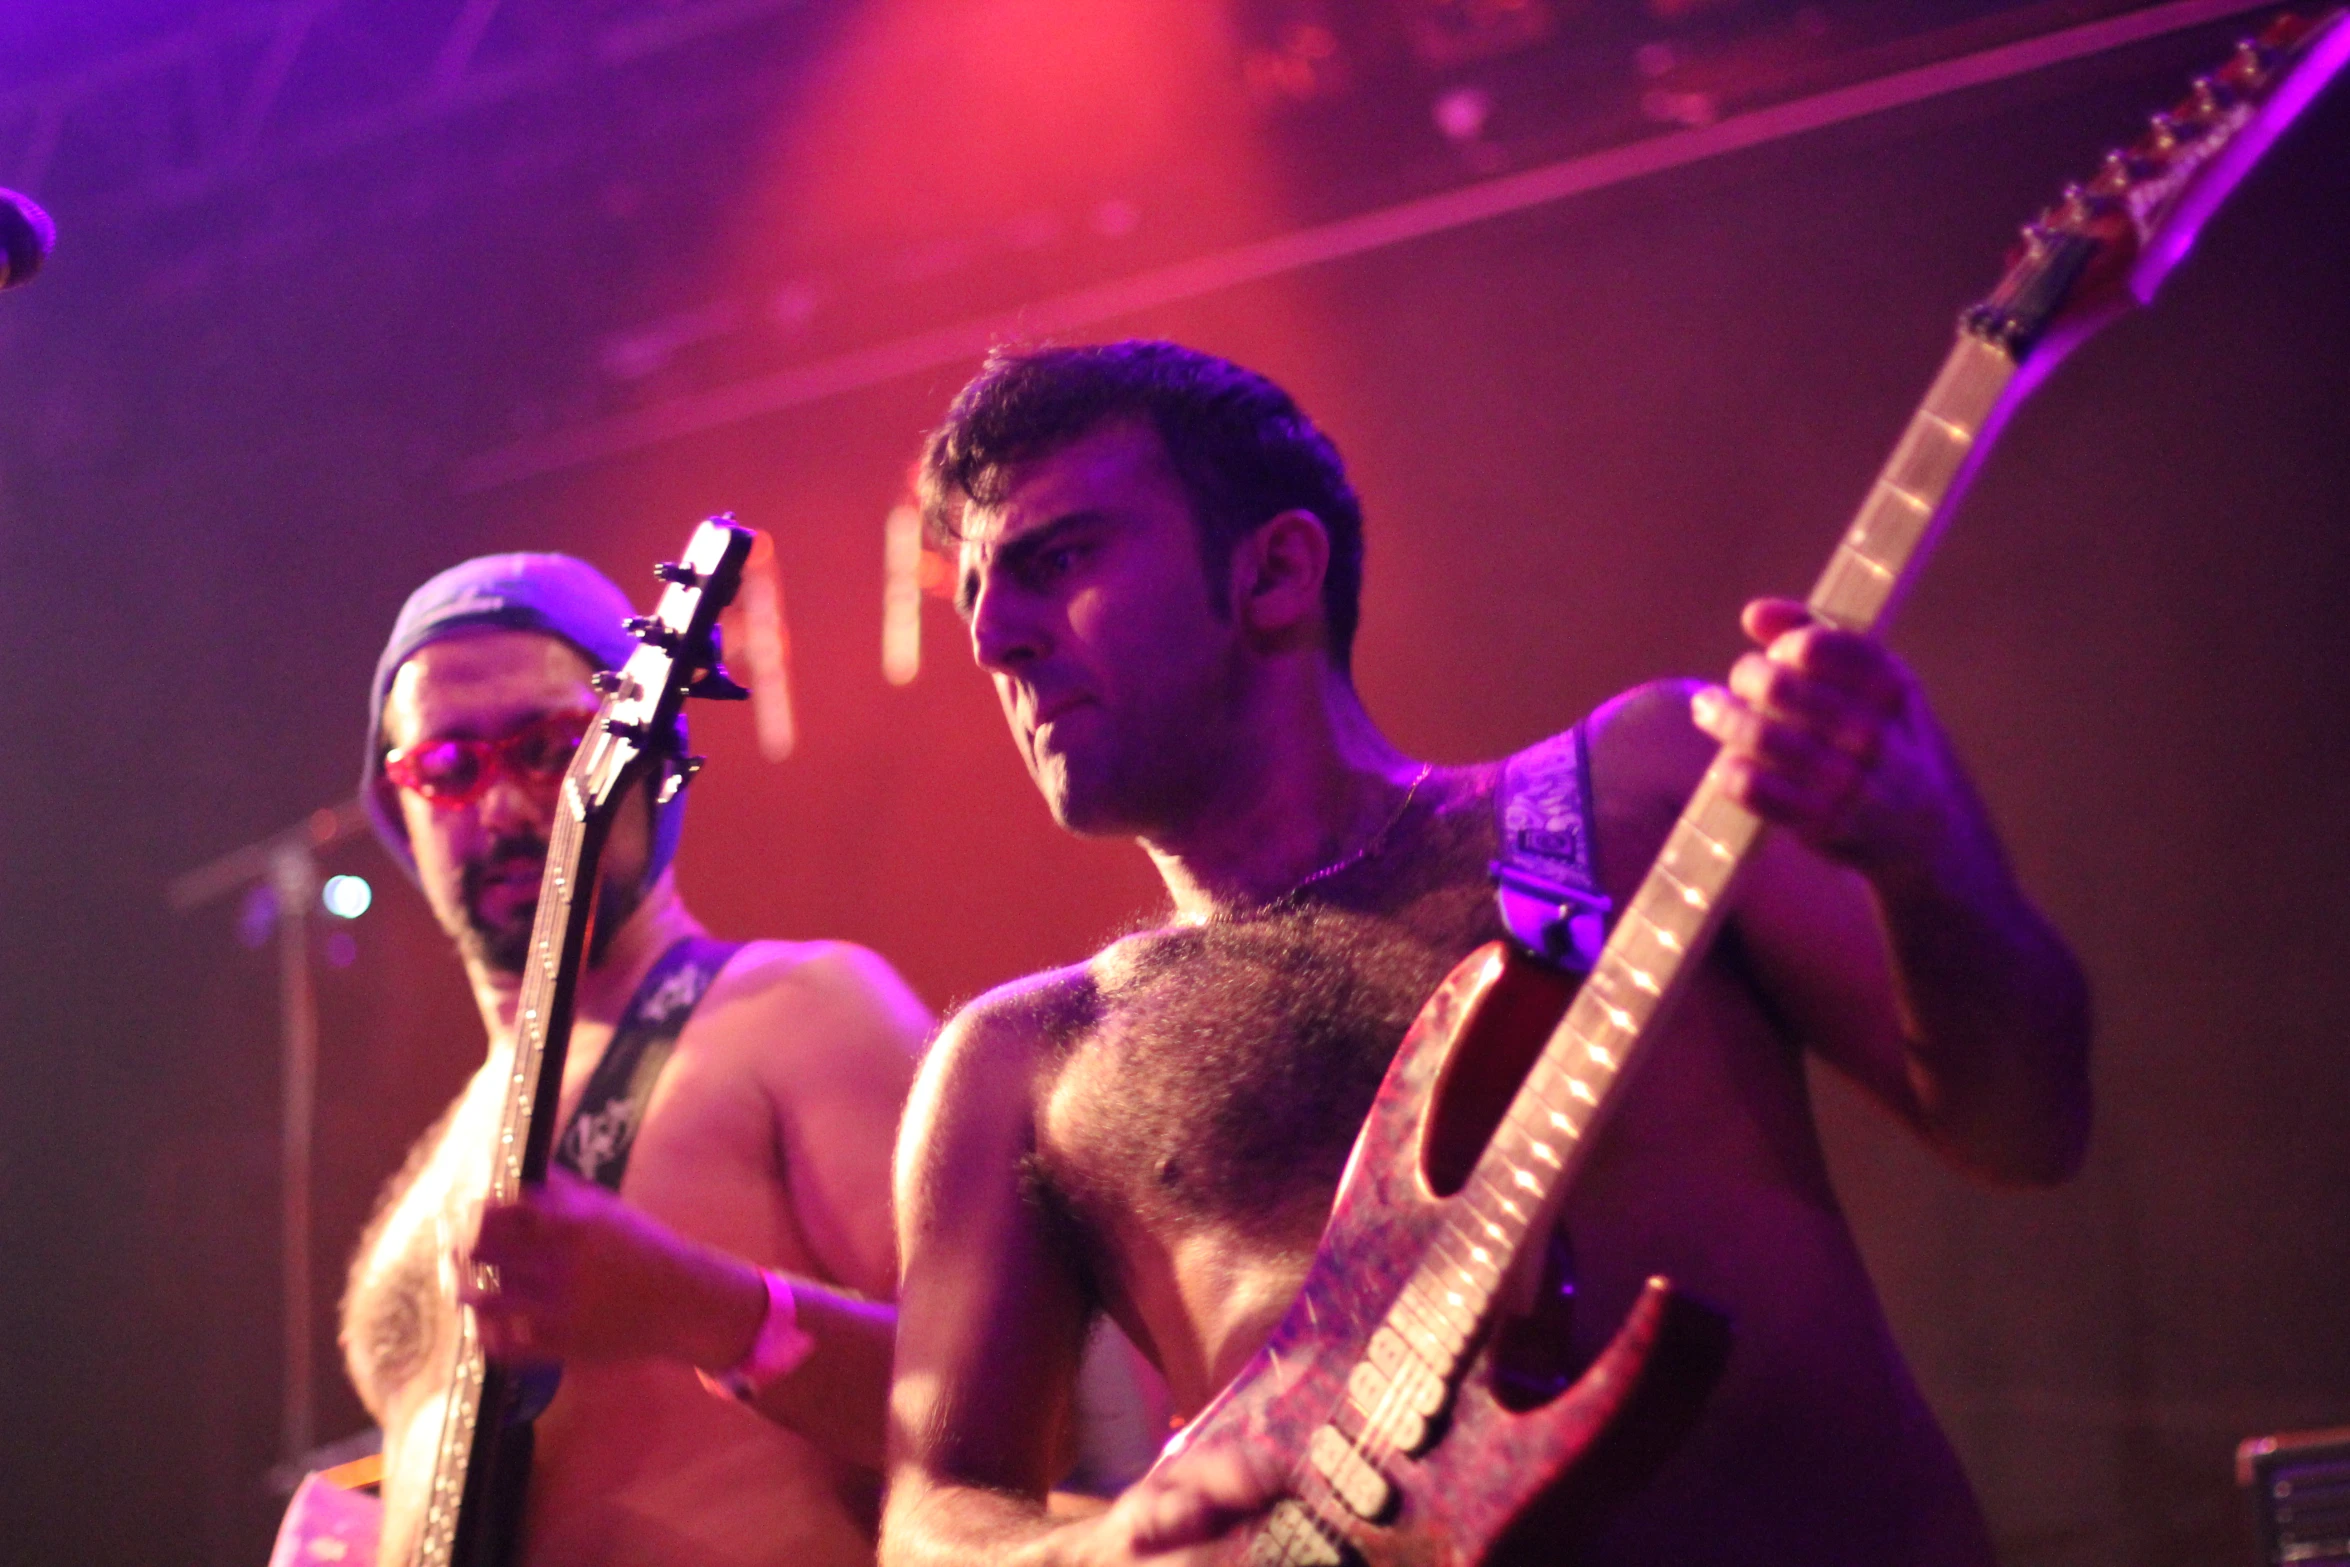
(722, 1202)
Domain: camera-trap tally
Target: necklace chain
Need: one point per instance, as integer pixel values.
(1370, 846)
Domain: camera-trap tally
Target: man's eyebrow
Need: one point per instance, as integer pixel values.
(1015, 553)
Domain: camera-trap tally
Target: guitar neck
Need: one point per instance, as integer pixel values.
(454, 1515)
(542, 1016)
(1514, 1193)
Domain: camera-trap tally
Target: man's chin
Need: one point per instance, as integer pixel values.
(500, 948)
(1088, 813)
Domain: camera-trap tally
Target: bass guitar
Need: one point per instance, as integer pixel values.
(1380, 1385)
(472, 1512)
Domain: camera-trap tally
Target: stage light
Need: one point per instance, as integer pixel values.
(901, 595)
(346, 897)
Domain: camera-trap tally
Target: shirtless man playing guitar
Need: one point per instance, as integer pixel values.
(1159, 560)
(765, 1137)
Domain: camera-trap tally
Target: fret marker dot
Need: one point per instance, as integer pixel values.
(1581, 1090)
(1525, 1180)
(1600, 1055)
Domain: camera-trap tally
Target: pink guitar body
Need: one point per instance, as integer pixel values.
(1490, 1467)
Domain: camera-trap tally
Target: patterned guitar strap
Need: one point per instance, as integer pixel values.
(597, 1140)
(1546, 879)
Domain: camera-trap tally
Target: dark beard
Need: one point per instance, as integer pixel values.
(505, 948)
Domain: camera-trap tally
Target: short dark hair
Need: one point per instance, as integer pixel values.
(1240, 446)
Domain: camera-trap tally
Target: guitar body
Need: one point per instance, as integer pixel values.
(1511, 1474)
(326, 1523)
(1404, 1388)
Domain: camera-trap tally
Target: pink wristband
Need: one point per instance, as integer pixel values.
(775, 1354)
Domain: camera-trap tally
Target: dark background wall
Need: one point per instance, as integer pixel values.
(233, 435)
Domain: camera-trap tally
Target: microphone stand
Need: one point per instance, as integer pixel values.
(287, 862)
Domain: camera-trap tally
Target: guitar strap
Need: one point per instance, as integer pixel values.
(1546, 879)
(596, 1143)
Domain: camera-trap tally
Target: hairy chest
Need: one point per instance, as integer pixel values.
(401, 1297)
(1223, 1072)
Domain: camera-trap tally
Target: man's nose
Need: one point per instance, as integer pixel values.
(1007, 634)
(510, 802)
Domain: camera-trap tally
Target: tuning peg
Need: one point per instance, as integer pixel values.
(2247, 69)
(621, 729)
(611, 682)
(2171, 129)
(2208, 98)
(649, 630)
(681, 773)
(678, 572)
(717, 685)
(2123, 169)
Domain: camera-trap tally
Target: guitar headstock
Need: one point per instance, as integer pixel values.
(2110, 242)
(677, 656)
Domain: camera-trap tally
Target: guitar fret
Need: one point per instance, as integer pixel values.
(1470, 1273)
(1548, 1117)
(1651, 914)
(1470, 1255)
(1693, 896)
(1848, 596)
(1511, 1197)
(1429, 1326)
(1884, 535)
(1927, 462)
(1502, 1229)
(1875, 568)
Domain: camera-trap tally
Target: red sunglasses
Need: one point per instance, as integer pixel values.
(456, 772)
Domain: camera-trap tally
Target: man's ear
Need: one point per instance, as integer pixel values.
(1277, 574)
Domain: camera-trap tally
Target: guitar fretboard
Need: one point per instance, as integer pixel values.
(542, 1011)
(1516, 1187)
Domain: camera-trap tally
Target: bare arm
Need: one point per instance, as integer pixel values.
(992, 1325)
(827, 1045)
(838, 1084)
(992, 1320)
(1883, 919)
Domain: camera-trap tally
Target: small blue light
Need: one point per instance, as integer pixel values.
(346, 897)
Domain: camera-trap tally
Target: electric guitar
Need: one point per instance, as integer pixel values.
(1380, 1386)
(473, 1509)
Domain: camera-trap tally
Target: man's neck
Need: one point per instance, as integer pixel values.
(605, 986)
(1314, 783)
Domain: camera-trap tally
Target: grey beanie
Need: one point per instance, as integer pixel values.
(555, 594)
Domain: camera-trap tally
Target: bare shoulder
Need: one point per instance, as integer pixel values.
(978, 1080)
(1016, 1024)
(1646, 759)
(1644, 746)
(793, 1000)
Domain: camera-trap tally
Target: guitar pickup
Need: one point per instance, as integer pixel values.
(1294, 1537)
